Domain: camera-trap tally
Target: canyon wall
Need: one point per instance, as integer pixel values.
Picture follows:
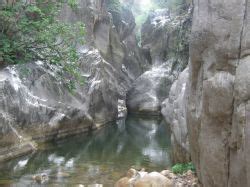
(218, 96)
(164, 39)
(174, 111)
(36, 105)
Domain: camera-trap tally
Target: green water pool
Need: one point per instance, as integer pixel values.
(100, 157)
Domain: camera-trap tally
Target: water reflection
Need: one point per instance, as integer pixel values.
(99, 157)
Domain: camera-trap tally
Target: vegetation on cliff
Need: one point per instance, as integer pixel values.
(32, 31)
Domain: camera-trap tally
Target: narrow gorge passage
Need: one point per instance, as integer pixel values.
(101, 157)
(74, 72)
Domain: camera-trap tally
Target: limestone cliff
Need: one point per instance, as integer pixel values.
(218, 105)
(35, 105)
(165, 40)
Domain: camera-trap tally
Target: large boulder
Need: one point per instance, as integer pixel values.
(218, 93)
(149, 90)
(174, 112)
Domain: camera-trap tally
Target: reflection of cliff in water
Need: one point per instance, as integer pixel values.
(135, 142)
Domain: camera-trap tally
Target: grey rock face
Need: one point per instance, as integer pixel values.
(165, 39)
(36, 105)
(149, 90)
(219, 93)
(174, 112)
(166, 36)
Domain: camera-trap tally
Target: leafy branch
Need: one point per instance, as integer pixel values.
(31, 32)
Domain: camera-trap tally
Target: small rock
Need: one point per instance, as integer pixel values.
(189, 172)
(168, 174)
(131, 173)
(40, 178)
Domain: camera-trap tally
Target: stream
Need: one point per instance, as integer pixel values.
(100, 157)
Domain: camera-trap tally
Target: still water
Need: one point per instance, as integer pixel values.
(101, 157)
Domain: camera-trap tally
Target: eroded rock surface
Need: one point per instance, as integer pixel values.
(165, 42)
(219, 93)
(37, 104)
(149, 90)
(174, 112)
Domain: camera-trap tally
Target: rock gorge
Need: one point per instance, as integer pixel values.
(192, 67)
(36, 106)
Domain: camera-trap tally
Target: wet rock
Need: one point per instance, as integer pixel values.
(40, 178)
(122, 109)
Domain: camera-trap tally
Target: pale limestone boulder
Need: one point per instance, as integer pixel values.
(153, 179)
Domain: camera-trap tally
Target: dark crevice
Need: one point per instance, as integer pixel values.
(242, 30)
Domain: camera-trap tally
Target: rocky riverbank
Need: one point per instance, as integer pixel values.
(165, 178)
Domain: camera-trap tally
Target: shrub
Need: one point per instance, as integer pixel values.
(31, 32)
(182, 168)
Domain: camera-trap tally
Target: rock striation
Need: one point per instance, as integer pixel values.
(36, 105)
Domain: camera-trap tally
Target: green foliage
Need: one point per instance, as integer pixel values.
(31, 31)
(182, 168)
(73, 4)
(114, 6)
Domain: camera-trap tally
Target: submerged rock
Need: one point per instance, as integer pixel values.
(40, 178)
